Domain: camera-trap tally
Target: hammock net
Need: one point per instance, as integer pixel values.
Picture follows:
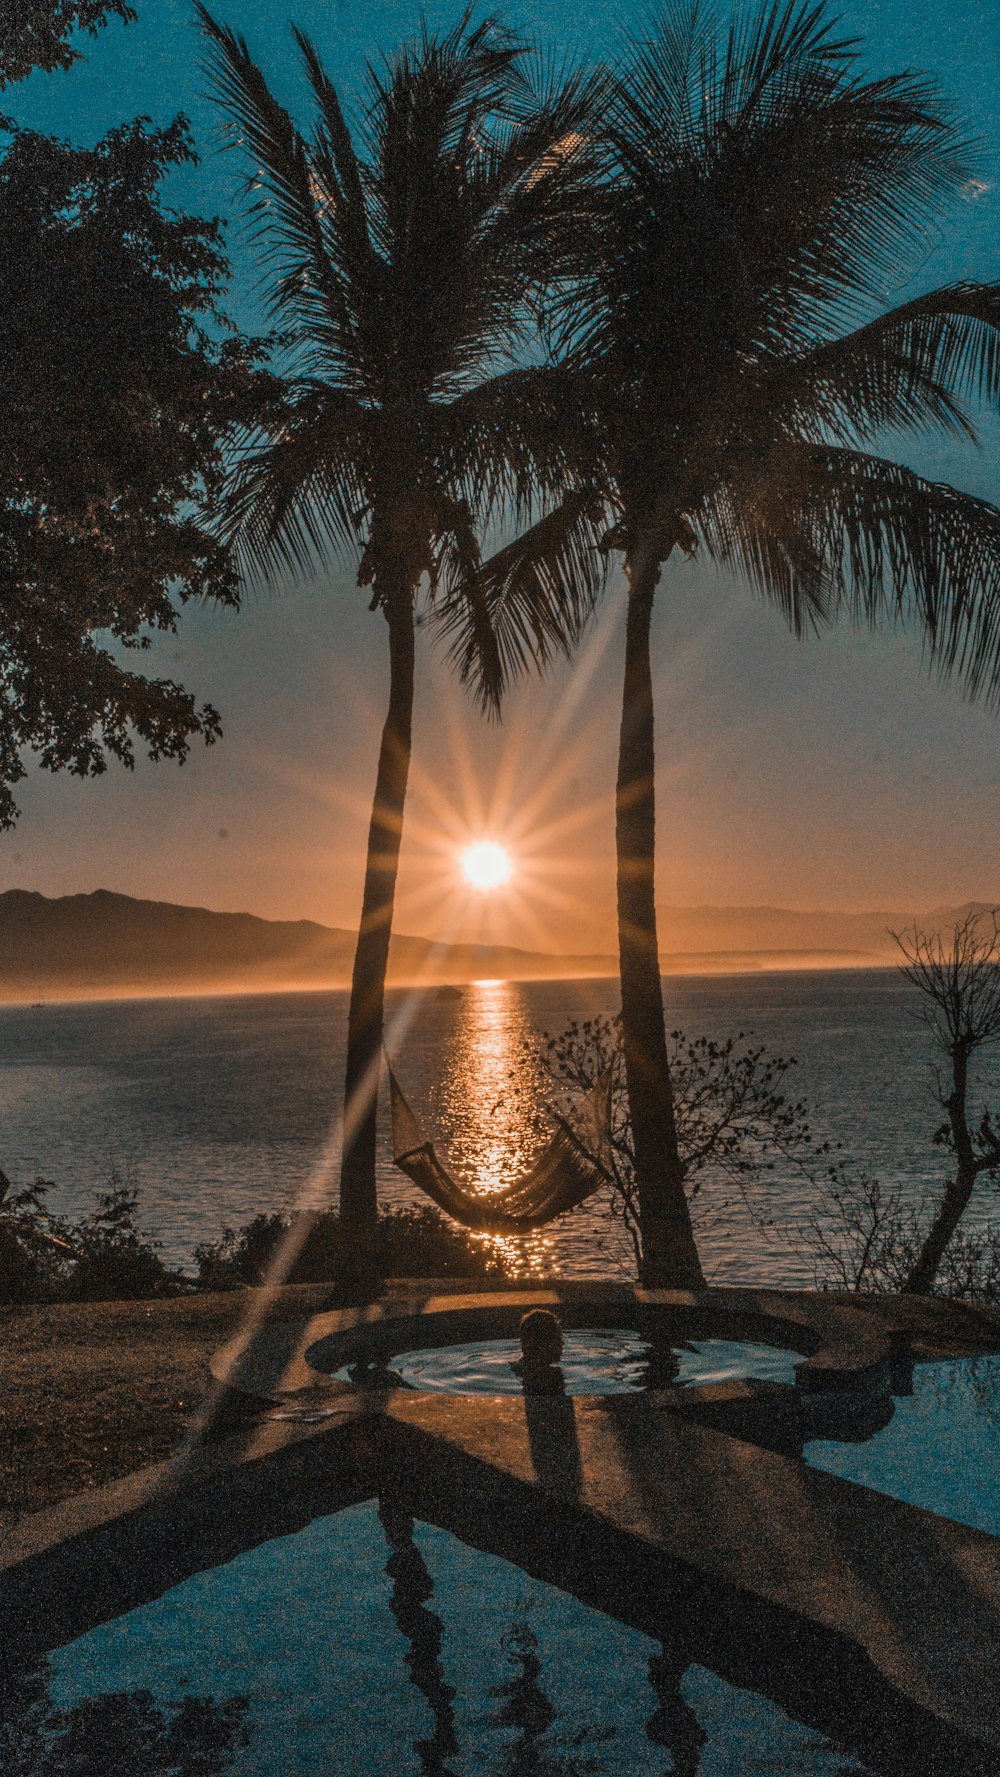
(563, 1175)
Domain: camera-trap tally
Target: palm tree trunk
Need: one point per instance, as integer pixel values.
(358, 1208)
(669, 1255)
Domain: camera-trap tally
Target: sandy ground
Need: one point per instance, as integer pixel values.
(89, 1392)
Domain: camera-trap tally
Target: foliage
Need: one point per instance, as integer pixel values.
(863, 1235)
(729, 329)
(734, 1118)
(128, 1733)
(33, 33)
(119, 397)
(103, 1257)
(404, 260)
(409, 1243)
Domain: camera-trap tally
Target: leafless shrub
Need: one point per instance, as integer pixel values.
(735, 1120)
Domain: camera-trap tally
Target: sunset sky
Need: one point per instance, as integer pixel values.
(830, 773)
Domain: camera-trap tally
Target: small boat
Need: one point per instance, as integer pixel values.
(448, 993)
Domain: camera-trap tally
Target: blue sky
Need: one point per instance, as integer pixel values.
(832, 773)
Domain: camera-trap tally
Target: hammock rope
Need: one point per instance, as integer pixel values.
(563, 1176)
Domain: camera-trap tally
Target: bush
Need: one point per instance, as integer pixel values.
(115, 1261)
(409, 1243)
(103, 1257)
(863, 1235)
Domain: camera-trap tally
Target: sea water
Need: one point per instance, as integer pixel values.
(225, 1106)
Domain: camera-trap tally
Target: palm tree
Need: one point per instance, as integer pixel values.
(731, 331)
(404, 262)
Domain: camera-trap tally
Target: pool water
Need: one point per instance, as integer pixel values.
(601, 1360)
(367, 1643)
(941, 1448)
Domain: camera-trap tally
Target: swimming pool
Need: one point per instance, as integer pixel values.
(941, 1448)
(367, 1643)
(598, 1360)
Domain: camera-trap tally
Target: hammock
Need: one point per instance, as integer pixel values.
(563, 1175)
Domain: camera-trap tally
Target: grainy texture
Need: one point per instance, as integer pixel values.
(92, 1391)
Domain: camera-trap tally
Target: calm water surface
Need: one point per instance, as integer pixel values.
(222, 1106)
(439, 1661)
(600, 1360)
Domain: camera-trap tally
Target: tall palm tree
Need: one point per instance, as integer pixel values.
(731, 331)
(405, 260)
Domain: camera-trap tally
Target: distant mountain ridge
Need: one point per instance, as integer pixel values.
(105, 944)
(769, 929)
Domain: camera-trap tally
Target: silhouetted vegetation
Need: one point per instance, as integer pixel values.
(117, 404)
(106, 1255)
(34, 33)
(404, 262)
(408, 1243)
(124, 1734)
(103, 1256)
(867, 1235)
(864, 1234)
(123, 383)
(735, 1118)
(959, 980)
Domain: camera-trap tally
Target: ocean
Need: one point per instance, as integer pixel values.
(223, 1106)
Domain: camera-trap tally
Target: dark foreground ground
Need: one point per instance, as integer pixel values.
(90, 1392)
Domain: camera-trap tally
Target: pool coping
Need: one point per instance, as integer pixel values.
(842, 1348)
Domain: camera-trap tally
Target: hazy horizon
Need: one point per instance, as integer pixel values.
(107, 946)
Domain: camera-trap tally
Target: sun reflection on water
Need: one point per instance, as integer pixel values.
(489, 1107)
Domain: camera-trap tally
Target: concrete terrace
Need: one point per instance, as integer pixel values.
(872, 1620)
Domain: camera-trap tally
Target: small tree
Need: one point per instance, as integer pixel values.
(734, 1117)
(959, 979)
(118, 400)
(35, 33)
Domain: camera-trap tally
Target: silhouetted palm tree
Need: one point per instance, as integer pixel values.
(730, 327)
(405, 261)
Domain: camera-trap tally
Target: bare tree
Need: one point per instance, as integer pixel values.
(959, 978)
(735, 1120)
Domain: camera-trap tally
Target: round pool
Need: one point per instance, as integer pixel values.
(596, 1360)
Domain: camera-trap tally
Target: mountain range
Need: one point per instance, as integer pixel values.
(105, 944)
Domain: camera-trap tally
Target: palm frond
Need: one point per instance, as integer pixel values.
(912, 368)
(744, 525)
(520, 440)
(333, 153)
(903, 549)
(284, 200)
(538, 593)
(298, 493)
(760, 182)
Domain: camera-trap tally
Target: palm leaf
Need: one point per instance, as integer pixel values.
(909, 368)
(285, 201)
(298, 494)
(538, 593)
(906, 550)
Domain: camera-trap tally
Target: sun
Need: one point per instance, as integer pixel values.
(486, 865)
